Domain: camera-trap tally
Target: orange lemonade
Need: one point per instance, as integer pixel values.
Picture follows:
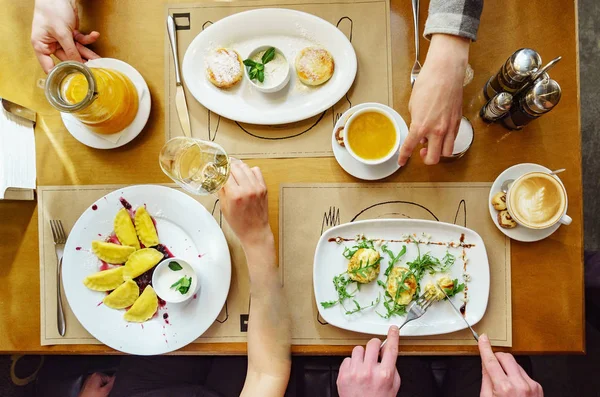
(115, 104)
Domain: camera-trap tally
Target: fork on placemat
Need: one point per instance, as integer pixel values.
(415, 310)
(416, 69)
(60, 238)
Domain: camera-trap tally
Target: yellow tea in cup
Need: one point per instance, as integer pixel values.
(371, 135)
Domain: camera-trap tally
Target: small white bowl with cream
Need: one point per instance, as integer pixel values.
(175, 280)
(276, 71)
(372, 136)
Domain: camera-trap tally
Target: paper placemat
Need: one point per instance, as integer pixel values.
(307, 210)
(366, 23)
(67, 203)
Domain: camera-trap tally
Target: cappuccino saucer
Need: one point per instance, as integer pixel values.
(519, 233)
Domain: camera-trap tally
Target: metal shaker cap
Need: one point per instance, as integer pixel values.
(543, 96)
(503, 101)
(522, 64)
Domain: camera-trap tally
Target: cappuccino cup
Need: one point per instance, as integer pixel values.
(538, 200)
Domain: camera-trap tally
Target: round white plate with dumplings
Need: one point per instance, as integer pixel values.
(288, 30)
(519, 233)
(189, 231)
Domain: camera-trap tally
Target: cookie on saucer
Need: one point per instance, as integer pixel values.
(505, 220)
(499, 201)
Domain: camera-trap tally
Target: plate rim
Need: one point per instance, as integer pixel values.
(258, 120)
(391, 220)
(226, 258)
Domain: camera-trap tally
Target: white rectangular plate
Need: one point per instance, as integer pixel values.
(440, 318)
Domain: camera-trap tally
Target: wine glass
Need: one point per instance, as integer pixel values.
(200, 167)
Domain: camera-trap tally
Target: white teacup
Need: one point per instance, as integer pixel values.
(348, 126)
(538, 200)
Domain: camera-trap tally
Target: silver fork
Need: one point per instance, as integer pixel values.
(416, 69)
(415, 310)
(60, 238)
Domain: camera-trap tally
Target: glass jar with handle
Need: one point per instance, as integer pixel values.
(104, 100)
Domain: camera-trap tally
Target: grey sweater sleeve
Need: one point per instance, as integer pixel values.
(455, 17)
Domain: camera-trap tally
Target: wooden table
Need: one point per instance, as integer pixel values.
(547, 284)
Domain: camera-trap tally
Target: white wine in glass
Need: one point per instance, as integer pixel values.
(198, 166)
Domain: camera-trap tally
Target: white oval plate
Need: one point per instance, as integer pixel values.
(188, 230)
(519, 233)
(440, 318)
(89, 138)
(355, 167)
(288, 30)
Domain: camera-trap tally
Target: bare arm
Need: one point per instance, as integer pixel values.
(244, 204)
(269, 360)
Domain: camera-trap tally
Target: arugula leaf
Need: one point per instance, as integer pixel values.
(359, 308)
(448, 260)
(393, 258)
(364, 243)
(341, 283)
(268, 55)
(329, 304)
(362, 270)
(456, 288)
(175, 266)
(424, 264)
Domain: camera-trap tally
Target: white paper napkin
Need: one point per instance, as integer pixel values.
(17, 153)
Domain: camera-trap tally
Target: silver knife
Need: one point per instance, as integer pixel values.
(475, 335)
(180, 103)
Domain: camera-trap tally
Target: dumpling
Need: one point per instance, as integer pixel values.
(124, 296)
(145, 228)
(105, 280)
(405, 295)
(112, 253)
(140, 262)
(125, 230)
(364, 265)
(143, 308)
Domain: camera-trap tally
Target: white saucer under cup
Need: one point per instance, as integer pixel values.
(89, 138)
(355, 167)
(519, 233)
